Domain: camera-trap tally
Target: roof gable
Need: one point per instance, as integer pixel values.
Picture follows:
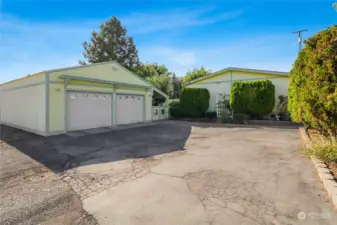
(112, 71)
(109, 71)
(236, 69)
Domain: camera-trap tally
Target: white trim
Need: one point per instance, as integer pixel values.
(112, 62)
(160, 92)
(47, 102)
(286, 74)
(69, 77)
(248, 79)
(113, 108)
(76, 67)
(90, 91)
(141, 79)
(97, 64)
(22, 86)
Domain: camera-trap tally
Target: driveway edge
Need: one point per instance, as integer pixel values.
(323, 172)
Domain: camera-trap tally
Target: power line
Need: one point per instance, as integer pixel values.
(299, 32)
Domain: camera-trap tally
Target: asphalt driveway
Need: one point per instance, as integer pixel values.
(188, 173)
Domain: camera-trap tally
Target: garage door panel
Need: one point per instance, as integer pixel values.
(88, 110)
(129, 109)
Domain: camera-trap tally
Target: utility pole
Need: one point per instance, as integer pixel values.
(299, 32)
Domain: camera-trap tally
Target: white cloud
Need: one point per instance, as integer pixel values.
(274, 52)
(178, 60)
(30, 47)
(184, 59)
(148, 22)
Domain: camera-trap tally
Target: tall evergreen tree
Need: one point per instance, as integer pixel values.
(111, 43)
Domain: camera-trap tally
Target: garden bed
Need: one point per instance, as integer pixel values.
(198, 119)
(316, 137)
(271, 122)
(250, 122)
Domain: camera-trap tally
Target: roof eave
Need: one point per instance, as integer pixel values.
(241, 70)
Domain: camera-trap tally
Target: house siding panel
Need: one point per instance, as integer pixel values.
(109, 71)
(221, 84)
(22, 104)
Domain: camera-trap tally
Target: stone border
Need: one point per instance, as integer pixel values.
(323, 172)
(273, 122)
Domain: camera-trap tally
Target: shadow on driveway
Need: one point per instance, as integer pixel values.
(61, 152)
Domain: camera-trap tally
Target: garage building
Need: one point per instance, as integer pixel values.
(78, 98)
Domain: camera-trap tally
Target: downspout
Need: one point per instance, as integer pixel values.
(47, 103)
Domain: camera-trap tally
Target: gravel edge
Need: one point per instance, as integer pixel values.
(323, 172)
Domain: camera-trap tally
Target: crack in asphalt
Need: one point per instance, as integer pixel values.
(166, 175)
(89, 184)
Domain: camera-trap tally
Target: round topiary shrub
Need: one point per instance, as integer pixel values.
(175, 110)
(312, 94)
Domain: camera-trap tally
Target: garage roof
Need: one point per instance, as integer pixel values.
(240, 70)
(88, 65)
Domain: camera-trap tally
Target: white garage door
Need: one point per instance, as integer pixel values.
(88, 110)
(129, 109)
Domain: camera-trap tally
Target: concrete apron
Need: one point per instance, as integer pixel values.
(219, 176)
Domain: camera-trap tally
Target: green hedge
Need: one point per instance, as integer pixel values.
(175, 110)
(211, 114)
(194, 101)
(312, 93)
(175, 101)
(174, 107)
(255, 98)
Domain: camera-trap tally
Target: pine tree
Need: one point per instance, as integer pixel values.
(111, 43)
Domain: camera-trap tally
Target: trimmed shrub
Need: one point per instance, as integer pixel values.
(240, 117)
(225, 116)
(173, 102)
(312, 93)
(255, 98)
(175, 109)
(194, 101)
(211, 114)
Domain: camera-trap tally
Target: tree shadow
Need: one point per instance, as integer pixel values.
(62, 152)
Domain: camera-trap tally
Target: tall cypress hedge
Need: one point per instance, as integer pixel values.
(312, 93)
(194, 101)
(255, 98)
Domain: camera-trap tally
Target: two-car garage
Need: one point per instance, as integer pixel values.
(91, 110)
(77, 98)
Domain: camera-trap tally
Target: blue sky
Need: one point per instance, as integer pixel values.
(41, 35)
